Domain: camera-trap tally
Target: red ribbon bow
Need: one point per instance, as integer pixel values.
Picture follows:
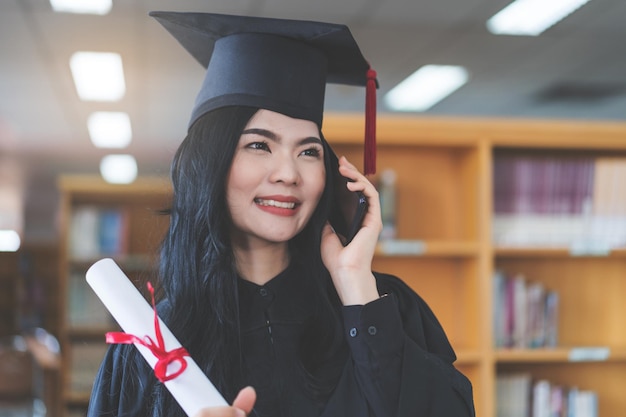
(158, 349)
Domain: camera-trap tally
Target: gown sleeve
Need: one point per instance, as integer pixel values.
(123, 385)
(402, 361)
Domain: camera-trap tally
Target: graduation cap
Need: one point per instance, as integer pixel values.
(275, 64)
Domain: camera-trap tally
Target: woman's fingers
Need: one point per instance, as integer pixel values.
(242, 406)
(360, 182)
(350, 266)
(245, 399)
(348, 170)
(221, 412)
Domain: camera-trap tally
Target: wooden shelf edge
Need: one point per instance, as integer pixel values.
(561, 355)
(459, 131)
(427, 248)
(80, 399)
(93, 184)
(131, 262)
(552, 252)
(93, 332)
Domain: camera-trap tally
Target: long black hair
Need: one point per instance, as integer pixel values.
(198, 271)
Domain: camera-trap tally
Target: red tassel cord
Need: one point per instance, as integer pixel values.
(369, 152)
(158, 349)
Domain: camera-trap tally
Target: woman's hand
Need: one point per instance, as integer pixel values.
(242, 406)
(351, 266)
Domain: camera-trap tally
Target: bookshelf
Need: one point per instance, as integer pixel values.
(28, 301)
(28, 289)
(9, 278)
(445, 184)
(99, 220)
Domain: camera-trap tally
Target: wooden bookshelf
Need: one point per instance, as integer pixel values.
(9, 278)
(28, 300)
(445, 191)
(134, 246)
(25, 276)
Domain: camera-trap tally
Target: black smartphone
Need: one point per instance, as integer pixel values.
(348, 208)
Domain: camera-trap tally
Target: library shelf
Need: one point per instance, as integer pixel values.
(100, 220)
(555, 252)
(574, 354)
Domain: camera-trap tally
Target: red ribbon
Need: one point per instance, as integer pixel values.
(158, 349)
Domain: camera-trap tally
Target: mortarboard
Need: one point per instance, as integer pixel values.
(276, 64)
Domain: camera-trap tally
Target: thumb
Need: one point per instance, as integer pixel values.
(245, 399)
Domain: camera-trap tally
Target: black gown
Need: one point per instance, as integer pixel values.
(399, 360)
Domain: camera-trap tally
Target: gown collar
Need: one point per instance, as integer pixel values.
(285, 298)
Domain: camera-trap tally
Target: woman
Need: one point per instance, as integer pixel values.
(257, 286)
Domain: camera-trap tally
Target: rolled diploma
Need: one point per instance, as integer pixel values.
(192, 389)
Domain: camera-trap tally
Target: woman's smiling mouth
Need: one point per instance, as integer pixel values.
(274, 203)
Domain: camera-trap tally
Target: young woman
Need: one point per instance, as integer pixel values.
(257, 286)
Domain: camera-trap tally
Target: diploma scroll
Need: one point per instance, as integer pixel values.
(192, 389)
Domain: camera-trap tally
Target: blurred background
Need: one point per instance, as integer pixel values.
(98, 93)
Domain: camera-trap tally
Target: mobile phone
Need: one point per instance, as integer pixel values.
(348, 209)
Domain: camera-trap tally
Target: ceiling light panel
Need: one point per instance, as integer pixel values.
(99, 7)
(426, 87)
(98, 76)
(109, 129)
(531, 17)
(9, 241)
(118, 169)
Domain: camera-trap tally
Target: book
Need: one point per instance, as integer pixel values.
(112, 232)
(96, 232)
(574, 201)
(525, 313)
(536, 318)
(513, 395)
(541, 398)
(499, 310)
(84, 308)
(521, 395)
(83, 233)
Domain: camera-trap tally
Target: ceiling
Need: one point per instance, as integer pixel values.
(575, 70)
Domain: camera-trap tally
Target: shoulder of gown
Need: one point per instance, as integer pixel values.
(430, 380)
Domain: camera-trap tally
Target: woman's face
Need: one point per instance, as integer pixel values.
(276, 179)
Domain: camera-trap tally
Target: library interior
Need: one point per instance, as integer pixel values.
(499, 179)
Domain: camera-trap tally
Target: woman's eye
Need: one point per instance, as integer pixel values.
(314, 152)
(262, 146)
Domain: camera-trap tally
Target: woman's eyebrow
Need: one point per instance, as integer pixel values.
(310, 139)
(275, 138)
(261, 132)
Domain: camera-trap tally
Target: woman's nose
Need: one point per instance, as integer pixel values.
(285, 171)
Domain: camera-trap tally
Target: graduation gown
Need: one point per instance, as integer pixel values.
(399, 360)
